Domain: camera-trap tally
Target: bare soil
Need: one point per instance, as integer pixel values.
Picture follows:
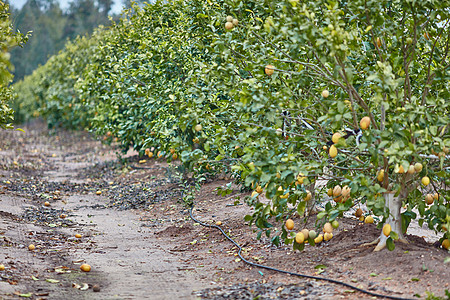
(141, 243)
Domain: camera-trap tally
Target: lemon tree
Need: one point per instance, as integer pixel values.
(8, 39)
(317, 106)
(297, 72)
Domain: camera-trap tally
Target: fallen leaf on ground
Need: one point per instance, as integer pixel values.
(52, 280)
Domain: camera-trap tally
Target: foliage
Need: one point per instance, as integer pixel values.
(52, 27)
(8, 39)
(160, 72)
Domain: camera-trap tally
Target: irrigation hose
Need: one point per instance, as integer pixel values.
(288, 272)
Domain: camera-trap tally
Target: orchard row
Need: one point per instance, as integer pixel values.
(291, 98)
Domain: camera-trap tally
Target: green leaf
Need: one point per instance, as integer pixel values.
(321, 215)
(390, 244)
(27, 295)
(394, 235)
(320, 267)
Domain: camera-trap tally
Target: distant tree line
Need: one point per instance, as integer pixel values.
(51, 27)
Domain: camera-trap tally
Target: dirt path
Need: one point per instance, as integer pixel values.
(141, 244)
(127, 261)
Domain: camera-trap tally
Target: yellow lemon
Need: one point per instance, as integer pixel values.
(387, 229)
(289, 224)
(299, 238)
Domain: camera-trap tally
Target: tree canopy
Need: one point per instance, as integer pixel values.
(293, 98)
(51, 27)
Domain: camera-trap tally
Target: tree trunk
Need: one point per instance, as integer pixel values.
(395, 219)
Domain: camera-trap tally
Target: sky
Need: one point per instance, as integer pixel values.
(117, 7)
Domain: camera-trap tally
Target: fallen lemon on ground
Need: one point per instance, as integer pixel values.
(78, 236)
(31, 247)
(85, 268)
(446, 244)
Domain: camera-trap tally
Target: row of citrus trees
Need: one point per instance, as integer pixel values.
(306, 102)
(8, 39)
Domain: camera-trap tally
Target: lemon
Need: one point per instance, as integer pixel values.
(328, 236)
(425, 180)
(330, 192)
(337, 191)
(380, 175)
(429, 199)
(318, 239)
(418, 167)
(333, 151)
(368, 219)
(299, 238)
(335, 138)
(289, 224)
(387, 229)
(229, 25)
(364, 123)
(269, 70)
(308, 196)
(446, 244)
(358, 212)
(335, 224)
(327, 227)
(85, 268)
(305, 233)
